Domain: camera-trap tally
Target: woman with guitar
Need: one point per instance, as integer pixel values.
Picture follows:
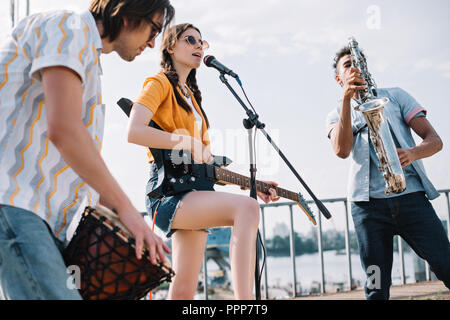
(172, 100)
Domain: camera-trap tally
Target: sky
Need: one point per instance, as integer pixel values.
(283, 52)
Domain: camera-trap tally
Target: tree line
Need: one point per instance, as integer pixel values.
(307, 244)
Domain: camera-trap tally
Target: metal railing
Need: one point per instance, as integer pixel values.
(14, 11)
(349, 279)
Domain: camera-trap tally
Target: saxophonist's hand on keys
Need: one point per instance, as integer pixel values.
(353, 82)
(406, 157)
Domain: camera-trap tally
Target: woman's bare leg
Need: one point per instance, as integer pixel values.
(188, 248)
(204, 209)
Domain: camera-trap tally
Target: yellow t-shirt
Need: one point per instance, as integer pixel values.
(159, 97)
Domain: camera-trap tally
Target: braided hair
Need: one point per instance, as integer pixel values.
(171, 36)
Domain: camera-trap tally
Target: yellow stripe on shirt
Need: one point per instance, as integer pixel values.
(39, 43)
(91, 116)
(80, 55)
(6, 67)
(68, 207)
(99, 143)
(96, 54)
(90, 197)
(25, 94)
(63, 32)
(55, 178)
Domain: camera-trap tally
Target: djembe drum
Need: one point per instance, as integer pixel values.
(104, 250)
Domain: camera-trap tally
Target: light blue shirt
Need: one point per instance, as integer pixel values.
(365, 180)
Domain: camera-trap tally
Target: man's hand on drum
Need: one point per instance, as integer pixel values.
(134, 221)
(267, 197)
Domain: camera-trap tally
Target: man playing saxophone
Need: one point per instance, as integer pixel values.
(377, 215)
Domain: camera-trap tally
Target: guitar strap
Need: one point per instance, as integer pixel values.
(126, 105)
(156, 153)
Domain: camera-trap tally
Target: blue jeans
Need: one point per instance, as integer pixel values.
(31, 264)
(413, 218)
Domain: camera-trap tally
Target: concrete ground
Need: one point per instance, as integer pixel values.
(434, 290)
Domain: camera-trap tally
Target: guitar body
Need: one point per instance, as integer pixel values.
(177, 173)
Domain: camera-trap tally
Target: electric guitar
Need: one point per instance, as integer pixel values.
(178, 173)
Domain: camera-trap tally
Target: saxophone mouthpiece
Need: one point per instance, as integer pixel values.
(352, 41)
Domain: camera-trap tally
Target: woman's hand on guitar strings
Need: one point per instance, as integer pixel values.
(271, 196)
(200, 152)
(267, 197)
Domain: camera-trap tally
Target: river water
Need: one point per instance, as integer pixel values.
(308, 272)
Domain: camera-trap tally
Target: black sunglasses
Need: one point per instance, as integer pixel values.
(192, 41)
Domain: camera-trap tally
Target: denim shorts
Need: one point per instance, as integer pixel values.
(166, 209)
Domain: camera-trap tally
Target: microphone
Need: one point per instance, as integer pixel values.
(211, 61)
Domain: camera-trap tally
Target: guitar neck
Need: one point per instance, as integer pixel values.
(228, 177)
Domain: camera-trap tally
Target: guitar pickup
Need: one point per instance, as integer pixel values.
(209, 173)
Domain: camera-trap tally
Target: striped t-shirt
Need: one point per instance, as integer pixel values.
(33, 174)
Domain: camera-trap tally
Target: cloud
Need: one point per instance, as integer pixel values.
(444, 67)
(285, 27)
(440, 65)
(423, 64)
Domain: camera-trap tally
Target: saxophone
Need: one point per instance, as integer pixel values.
(372, 108)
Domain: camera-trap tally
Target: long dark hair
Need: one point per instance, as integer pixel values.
(112, 12)
(171, 36)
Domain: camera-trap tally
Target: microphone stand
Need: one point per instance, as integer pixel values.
(249, 123)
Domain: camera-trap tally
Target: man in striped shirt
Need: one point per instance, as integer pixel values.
(51, 128)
